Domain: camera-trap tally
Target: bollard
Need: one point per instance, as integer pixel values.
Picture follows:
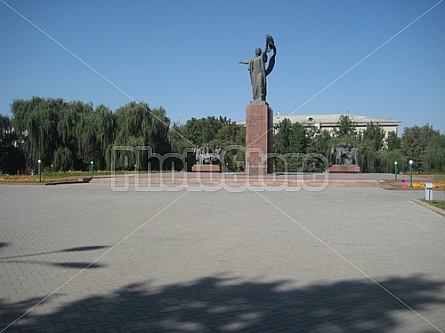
(428, 191)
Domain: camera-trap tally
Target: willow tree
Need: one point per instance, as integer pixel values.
(160, 125)
(140, 127)
(11, 160)
(76, 136)
(433, 158)
(374, 135)
(104, 126)
(35, 122)
(65, 152)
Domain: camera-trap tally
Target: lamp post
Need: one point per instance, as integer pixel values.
(92, 167)
(411, 173)
(51, 170)
(39, 170)
(395, 170)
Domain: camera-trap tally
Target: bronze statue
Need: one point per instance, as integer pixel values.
(344, 154)
(258, 70)
(207, 156)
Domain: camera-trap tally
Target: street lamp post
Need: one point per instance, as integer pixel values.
(92, 167)
(411, 173)
(39, 169)
(395, 170)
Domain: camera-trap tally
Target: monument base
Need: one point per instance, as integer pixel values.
(206, 168)
(259, 138)
(344, 169)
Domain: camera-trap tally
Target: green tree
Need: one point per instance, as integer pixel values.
(319, 142)
(178, 141)
(35, 122)
(202, 131)
(215, 133)
(291, 141)
(393, 141)
(374, 135)
(85, 134)
(298, 139)
(139, 126)
(104, 125)
(346, 128)
(282, 137)
(433, 158)
(387, 159)
(369, 160)
(231, 134)
(11, 159)
(160, 125)
(415, 140)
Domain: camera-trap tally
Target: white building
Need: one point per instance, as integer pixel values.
(329, 122)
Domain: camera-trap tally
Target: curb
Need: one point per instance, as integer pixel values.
(429, 207)
(244, 181)
(83, 180)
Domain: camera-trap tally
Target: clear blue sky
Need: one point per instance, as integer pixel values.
(183, 55)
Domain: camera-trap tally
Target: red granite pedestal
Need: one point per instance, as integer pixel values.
(344, 169)
(206, 168)
(259, 138)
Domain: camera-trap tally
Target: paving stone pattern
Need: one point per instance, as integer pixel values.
(85, 258)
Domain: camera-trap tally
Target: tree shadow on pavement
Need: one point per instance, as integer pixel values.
(221, 304)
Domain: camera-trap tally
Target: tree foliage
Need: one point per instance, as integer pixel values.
(378, 153)
(393, 141)
(416, 139)
(68, 135)
(10, 157)
(292, 142)
(214, 133)
(345, 127)
(433, 157)
(374, 135)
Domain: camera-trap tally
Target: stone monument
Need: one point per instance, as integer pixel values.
(207, 160)
(258, 113)
(344, 159)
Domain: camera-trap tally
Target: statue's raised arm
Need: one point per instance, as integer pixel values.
(270, 45)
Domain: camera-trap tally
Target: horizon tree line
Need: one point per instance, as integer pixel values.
(69, 135)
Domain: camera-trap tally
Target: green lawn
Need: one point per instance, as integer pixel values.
(438, 203)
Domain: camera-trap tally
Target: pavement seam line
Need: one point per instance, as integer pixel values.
(348, 261)
(94, 261)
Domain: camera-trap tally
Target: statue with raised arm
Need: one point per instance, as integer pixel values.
(258, 70)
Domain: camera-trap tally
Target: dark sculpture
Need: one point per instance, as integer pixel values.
(344, 154)
(207, 157)
(258, 70)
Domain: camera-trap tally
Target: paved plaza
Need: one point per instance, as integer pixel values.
(85, 257)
